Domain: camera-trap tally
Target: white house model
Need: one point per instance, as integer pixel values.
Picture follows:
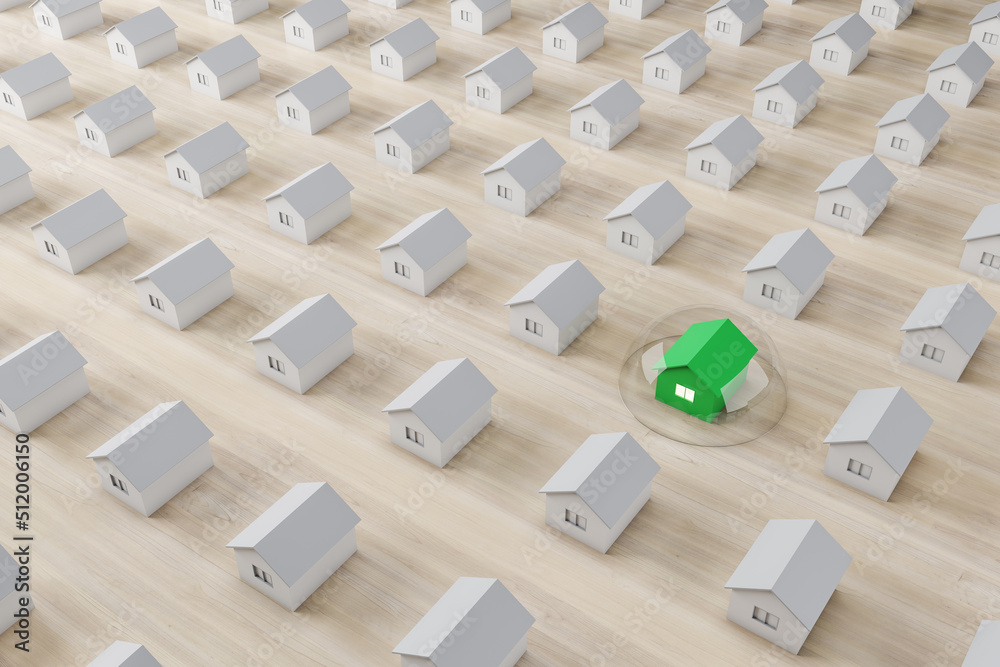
(225, 69)
(875, 439)
(982, 245)
(855, 194)
(436, 416)
(117, 123)
(648, 222)
(734, 21)
(186, 285)
(426, 252)
(637, 9)
(985, 645)
(15, 180)
(788, 94)
(944, 330)
(414, 138)
(958, 74)
(209, 162)
(311, 205)
(886, 14)
(154, 458)
(500, 82)
(394, 4)
(574, 35)
(479, 16)
(35, 87)
(580, 503)
(125, 654)
(675, 63)
(606, 116)
(556, 306)
(234, 11)
(986, 28)
(12, 601)
(405, 51)
(787, 272)
(304, 345)
(477, 622)
(40, 380)
(316, 24)
(842, 44)
(315, 102)
(523, 179)
(911, 129)
(142, 39)
(297, 543)
(66, 18)
(724, 153)
(82, 233)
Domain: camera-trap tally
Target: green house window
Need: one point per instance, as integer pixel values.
(685, 393)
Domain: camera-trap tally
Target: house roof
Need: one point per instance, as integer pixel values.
(319, 88)
(308, 329)
(299, 529)
(418, 124)
(144, 27)
(734, 137)
(8, 573)
(853, 29)
(35, 74)
(987, 223)
(887, 419)
(745, 10)
(12, 166)
(800, 256)
(188, 270)
(958, 309)
(798, 79)
(580, 21)
(696, 346)
(430, 238)
(20, 381)
(686, 49)
(561, 291)
(477, 622)
(507, 68)
(212, 147)
(445, 396)
(224, 58)
(990, 11)
(970, 58)
(613, 101)
(314, 190)
(82, 219)
(657, 207)
(866, 177)
(985, 645)
(529, 164)
(600, 454)
(485, 5)
(155, 443)
(113, 112)
(796, 560)
(923, 112)
(125, 654)
(409, 39)
(60, 8)
(317, 13)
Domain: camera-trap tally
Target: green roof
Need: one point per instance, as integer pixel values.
(708, 344)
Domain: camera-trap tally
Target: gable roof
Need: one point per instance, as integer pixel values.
(985, 645)
(299, 529)
(990, 11)
(125, 654)
(958, 309)
(188, 270)
(224, 58)
(734, 137)
(657, 207)
(613, 101)
(319, 88)
(853, 29)
(561, 291)
(20, 381)
(599, 454)
(410, 38)
(155, 443)
(580, 21)
(798, 79)
(308, 329)
(800, 256)
(212, 147)
(987, 223)
(867, 177)
(418, 124)
(529, 164)
(113, 112)
(923, 112)
(430, 238)
(970, 58)
(744, 10)
(61, 8)
(145, 26)
(82, 219)
(35, 74)
(314, 190)
(485, 5)
(317, 13)
(696, 346)
(476, 622)
(445, 396)
(686, 49)
(12, 166)
(506, 69)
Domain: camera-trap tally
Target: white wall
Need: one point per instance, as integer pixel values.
(649, 249)
(597, 535)
(972, 257)
(847, 60)
(410, 160)
(481, 23)
(677, 80)
(979, 32)
(434, 451)
(894, 15)
(219, 176)
(307, 231)
(955, 358)
(324, 568)
(143, 54)
(963, 95)
(417, 62)
(395, 70)
(95, 248)
(313, 121)
(608, 136)
(739, 32)
(234, 11)
(162, 490)
(204, 300)
(144, 287)
(727, 174)
(117, 140)
(302, 379)
(49, 403)
(791, 112)
(861, 218)
(883, 478)
(394, 4)
(790, 633)
(315, 39)
(16, 192)
(71, 24)
(553, 339)
(639, 9)
(917, 150)
(421, 282)
(480, 80)
(38, 102)
(792, 300)
(243, 76)
(576, 50)
(211, 85)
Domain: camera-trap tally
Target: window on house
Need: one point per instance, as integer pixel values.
(465, 16)
(45, 20)
(630, 239)
(991, 38)
(121, 48)
(402, 270)
(202, 79)
(285, 219)
(900, 143)
(297, 31)
(505, 193)
(831, 55)
(990, 260)
(625, 3)
(577, 520)
(723, 27)
(183, 175)
(589, 128)
(932, 353)
(8, 99)
(684, 392)
(392, 150)
(414, 436)
(292, 112)
(768, 619)
(262, 575)
(774, 107)
(155, 302)
(217, 5)
(949, 87)
(386, 60)
(119, 484)
(90, 134)
(533, 326)
(51, 249)
(772, 293)
(878, 11)
(859, 469)
(709, 167)
(559, 43)
(842, 211)
(276, 364)
(483, 92)
(662, 73)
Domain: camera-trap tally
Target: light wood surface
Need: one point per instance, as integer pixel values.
(925, 569)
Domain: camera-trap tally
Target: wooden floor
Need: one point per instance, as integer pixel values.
(925, 567)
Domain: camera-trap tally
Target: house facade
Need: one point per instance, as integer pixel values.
(788, 94)
(606, 116)
(855, 194)
(958, 74)
(787, 272)
(81, 234)
(209, 162)
(734, 21)
(40, 380)
(316, 24)
(525, 178)
(311, 205)
(405, 52)
(142, 39)
(66, 18)
(15, 180)
(37, 86)
(982, 245)
(225, 69)
(648, 222)
(500, 82)
(574, 35)
(117, 123)
(886, 14)
(676, 63)
(316, 102)
(842, 45)
(911, 129)
(415, 138)
(479, 16)
(637, 9)
(426, 252)
(234, 11)
(986, 29)
(724, 153)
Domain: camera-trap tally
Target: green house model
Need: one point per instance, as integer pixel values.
(704, 368)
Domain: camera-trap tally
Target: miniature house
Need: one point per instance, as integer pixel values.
(154, 458)
(982, 245)
(436, 416)
(186, 285)
(606, 116)
(911, 129)
(842, 44)
(556, 306)
(117, 123)
(648, 222)
(782, 585)
(311, 205)
(675, 63)
(958, 74)
(477, 622)
(855, 194)
(597, 516)
(787, 272)
(316, 24)
(734, 21)
(944, 330)
(225, 69)
(142, 39)
(393, 4)
(788, 94)
(637, 9)
(315, 102)
(209, 162)
(405, 51)
(234, 11)
(125, 654)
(11, 599)
(875, 439)
(986, 28)
(35, 87)
(82, 233)
(724, 153)
(985, 645)
(15, 180)
(426, 252)
(66, 18)
(40, 380)
(500, 82)
(414, 138)
(479, 16)
(304, 345)
(523, 179)
(297, 543)
(886, 14)
(574, 35)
